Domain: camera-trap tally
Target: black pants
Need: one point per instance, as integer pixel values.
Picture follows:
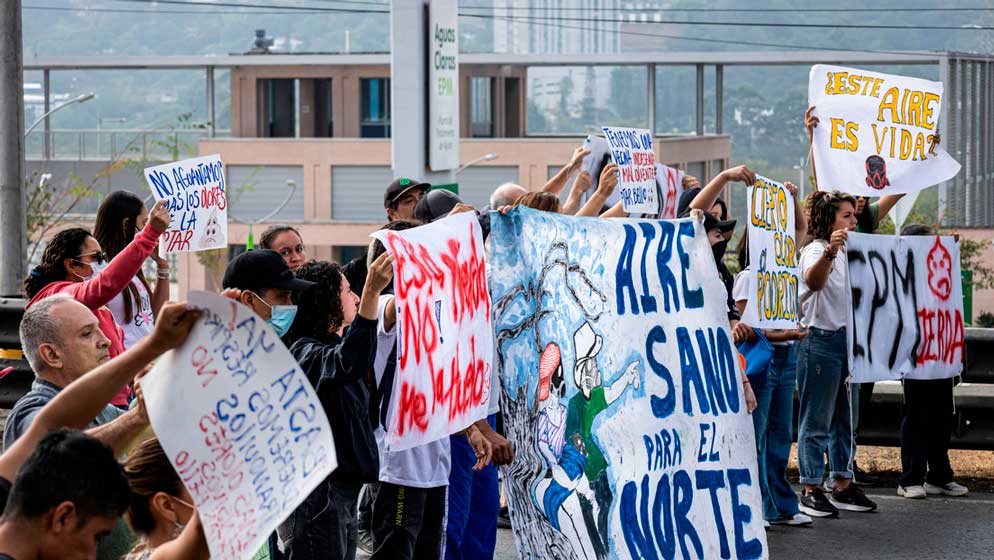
(408, 522)
(925, 431)
(865, 396)
(324, 526)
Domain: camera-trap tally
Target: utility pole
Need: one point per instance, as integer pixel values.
(13, 226)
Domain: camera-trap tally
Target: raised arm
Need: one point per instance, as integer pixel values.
(580, 187)
(800, 219)
(105, 285)
(191, 544)
(885, 204)
(705, 199)
(810, 122)
(817, 275)
(558, 182)
(80, 402)
(605, 187)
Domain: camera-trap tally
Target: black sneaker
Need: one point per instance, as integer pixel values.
(862, 477)
(852, 499)
(504, 518)
(816, 504)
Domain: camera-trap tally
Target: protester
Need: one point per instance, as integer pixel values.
(926, 427)
(262, 281)
(546, 202)
(286, 241)
(121, 217)
(334, 341)
(161, 510)
(826, 413)
(74, 264)
(62, 341)
(506, 195)
(67, 495)
(690, 182)
(774, 414)
(82, 400)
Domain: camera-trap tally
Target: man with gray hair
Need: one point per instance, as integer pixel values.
(506, 195)
(62, 340)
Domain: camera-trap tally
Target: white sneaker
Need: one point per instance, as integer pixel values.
(911, 492)
(950, 489)
(798, 520)
(766, 524)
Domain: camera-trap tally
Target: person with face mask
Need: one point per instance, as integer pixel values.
(263, 282)
(161, 511)
(75, 264)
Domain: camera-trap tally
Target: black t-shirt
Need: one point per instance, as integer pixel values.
(6, 557)
(5, 487)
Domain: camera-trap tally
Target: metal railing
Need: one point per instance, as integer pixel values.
(89, 144)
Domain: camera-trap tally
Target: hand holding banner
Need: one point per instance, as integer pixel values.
(241, 424)
(197, 198)
(878, 133)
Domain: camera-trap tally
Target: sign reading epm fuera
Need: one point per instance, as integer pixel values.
(877, 133)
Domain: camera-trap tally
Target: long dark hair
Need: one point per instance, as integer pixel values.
(149, 472)
(115, 230)
(319, 309)
(65, 245)
(742, 250)
(822, 206)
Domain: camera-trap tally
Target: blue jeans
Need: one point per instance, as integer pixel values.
(773, 420)
(474, 504)
(826, 419)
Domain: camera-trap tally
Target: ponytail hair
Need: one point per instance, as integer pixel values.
(65, 245)
(113, 237)
(822, 206)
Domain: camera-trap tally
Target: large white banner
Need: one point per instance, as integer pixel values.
(443, 85)
(197, 199)
(773, 256)
(445, 341)
(631, 150)
(877, 133)
(907, 307)
(621, 392)
(241, 424)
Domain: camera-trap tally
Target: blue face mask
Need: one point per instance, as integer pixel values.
(281, 316)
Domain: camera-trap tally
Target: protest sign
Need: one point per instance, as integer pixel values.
(241, 424)
(669, 181)
(197, 199)
(907, 307)
(631, 150)
(773, 256)
(878, 133)
(445, 341)
(621, 392)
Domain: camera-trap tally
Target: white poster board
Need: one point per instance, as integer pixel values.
(445, 341)
(197, 199)
(443, 85)
(631, 150)
(907, 307)
(773, 257)
(877, 133)
(241, 425)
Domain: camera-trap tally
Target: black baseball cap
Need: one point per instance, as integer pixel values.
(710, 223)
(436, 205)
(399, 186)
(262, 269)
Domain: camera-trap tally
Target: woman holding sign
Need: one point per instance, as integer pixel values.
(74, 263)
(121, 217)
(826, 412)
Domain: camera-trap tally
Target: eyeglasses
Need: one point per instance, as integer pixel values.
(98, 256)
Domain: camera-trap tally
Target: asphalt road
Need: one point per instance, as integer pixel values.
(934, 528)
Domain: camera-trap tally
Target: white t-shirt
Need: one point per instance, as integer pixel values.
(141, 322)
(424, 466)
(827, 308)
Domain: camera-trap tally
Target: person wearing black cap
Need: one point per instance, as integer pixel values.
(401, 196)
(262, 280)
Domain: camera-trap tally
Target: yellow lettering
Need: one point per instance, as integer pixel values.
(889, 102)
(854, 84)
(906, 144)
(915, 108)
(851, 129)
(828, 84)
(919, 147)
(875, 92)
(928, 110)
(879, 139)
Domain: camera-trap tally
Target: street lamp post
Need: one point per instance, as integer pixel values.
(487, 157)
(81, 99)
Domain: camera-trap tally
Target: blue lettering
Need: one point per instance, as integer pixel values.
(662, 407)
(712, 481)
(690, 374)
(693, 299)
(623, 273)
(741, 515)
(682, 502)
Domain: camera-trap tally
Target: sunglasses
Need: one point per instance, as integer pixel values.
(99, 257)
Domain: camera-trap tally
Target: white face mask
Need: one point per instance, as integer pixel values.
(177, 526)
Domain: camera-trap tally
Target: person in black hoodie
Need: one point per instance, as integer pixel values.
(333, 338)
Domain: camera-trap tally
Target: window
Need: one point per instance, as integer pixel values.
(277, 101)
(323, 127)
(482, 107)
(375, 117)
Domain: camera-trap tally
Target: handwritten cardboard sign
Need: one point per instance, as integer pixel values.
(445, 341)
(631, 150)
(907, 307)
(670, 183)
(197, 197)
(622, 392)
(241, 425)
(877, 133)
(773, 257)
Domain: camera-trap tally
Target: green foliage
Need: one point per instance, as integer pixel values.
(985, 320)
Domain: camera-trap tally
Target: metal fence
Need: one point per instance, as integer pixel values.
(969, 137)
(87, 144)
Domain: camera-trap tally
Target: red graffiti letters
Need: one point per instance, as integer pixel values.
(941, 336)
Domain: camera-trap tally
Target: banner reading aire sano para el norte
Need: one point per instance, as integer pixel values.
(621, 392)
(878, 133)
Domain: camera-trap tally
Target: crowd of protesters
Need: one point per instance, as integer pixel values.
(79, 456)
